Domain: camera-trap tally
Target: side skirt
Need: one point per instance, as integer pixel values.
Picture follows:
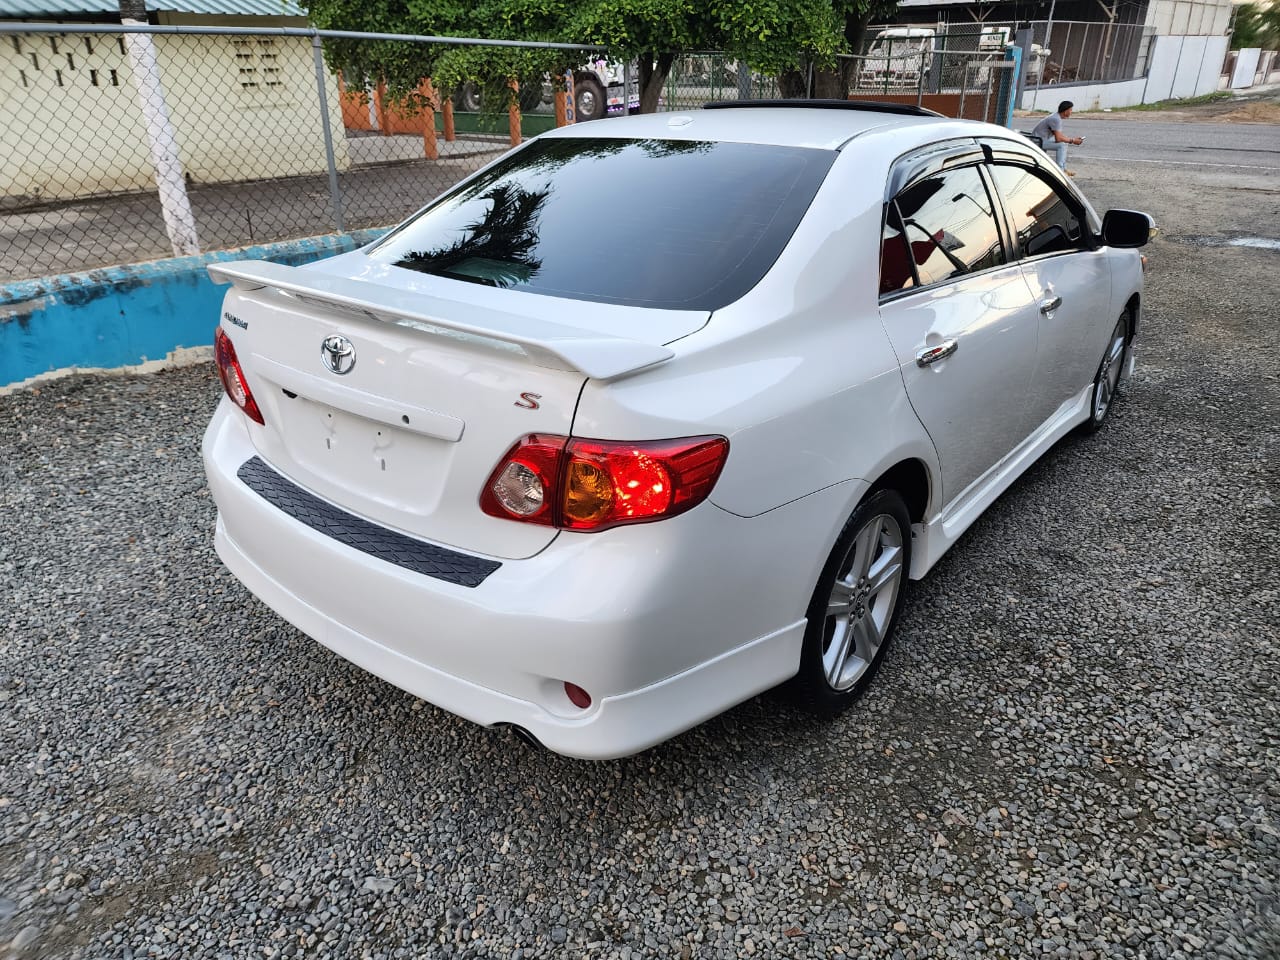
(934, 537)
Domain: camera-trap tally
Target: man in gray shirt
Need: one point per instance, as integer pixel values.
(1049, 130)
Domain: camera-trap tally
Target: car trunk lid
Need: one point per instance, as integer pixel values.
(441, 379)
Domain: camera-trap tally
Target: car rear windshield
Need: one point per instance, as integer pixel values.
(658, 223)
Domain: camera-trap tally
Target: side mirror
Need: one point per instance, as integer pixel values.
(1127, 228)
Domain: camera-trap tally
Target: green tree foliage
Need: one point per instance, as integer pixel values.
(777, 37)
(1257, 25)
(822, 77)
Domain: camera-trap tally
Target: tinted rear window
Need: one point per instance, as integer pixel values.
(657, 223)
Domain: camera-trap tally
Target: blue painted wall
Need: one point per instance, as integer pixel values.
(123, 315)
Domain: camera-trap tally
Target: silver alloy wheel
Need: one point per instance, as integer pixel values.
(862, 600)
(1109, 374)
(587, 103)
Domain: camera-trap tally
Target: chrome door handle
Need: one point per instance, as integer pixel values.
(934, 354)
(1050, 305)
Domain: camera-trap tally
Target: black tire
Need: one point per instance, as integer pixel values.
(468, 99)
(1106, 382)
(590, 101)
(530, 96)
(812, 687)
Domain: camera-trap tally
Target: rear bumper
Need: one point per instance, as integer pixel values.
(664, 624)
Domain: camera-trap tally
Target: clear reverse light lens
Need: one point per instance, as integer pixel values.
(519, 490)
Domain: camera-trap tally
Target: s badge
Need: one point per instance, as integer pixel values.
(529, 401)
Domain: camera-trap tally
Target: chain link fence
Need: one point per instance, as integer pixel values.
(126, 144)
(123, 145)
(699, 78)
(970, 84)
(1062, 51)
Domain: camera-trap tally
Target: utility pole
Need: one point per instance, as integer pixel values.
(174, 202)
(1044, 47)
(1106, 37)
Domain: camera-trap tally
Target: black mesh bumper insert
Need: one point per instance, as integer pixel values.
(360, 534)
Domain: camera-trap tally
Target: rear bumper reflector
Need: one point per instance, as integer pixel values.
(360, 534)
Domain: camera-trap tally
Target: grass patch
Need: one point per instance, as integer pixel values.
(1185, 102)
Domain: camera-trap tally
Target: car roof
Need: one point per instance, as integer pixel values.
(822, 129)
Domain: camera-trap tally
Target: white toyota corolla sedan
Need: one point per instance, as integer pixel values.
(653, 414)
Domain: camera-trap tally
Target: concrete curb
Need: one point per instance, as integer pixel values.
(132, 316)
(182, 357)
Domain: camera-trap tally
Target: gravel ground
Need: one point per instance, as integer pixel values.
(1071, 751)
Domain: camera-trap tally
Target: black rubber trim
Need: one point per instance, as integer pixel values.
(360, 534)
(869, 106)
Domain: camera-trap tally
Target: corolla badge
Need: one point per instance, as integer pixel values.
(338, 354)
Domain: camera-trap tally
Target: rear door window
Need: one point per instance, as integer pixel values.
(938, 228)
(658, 223)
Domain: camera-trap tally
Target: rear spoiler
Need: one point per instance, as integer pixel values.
(598, 355)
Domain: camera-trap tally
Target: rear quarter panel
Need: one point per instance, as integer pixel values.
(798, 374)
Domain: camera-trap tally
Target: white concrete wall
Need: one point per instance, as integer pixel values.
(1246, 68)
(1184, 67)
(1180, 67)
(1175, 18)
(71, 126)
(1188, 71)
(1086, 96)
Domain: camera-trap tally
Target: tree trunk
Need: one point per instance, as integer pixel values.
(793, 84)
(855, 31)
(829, 85)
(835, 83)
(653, 75)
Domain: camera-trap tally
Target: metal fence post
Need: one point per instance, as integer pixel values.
(1044, 48)
(626, 92)
(335, 192)
(1062, 61)
(924, 57)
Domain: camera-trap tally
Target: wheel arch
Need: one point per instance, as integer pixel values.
(1132, 307)
(911, 479)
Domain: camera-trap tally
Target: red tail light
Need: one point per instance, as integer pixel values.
(592, 485)
(232, 377)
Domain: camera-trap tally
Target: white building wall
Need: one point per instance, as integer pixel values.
(1189, 17)
(1086, 96)
(1180, 67)
(73, 127)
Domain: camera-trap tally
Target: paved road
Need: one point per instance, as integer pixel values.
(1252, 147)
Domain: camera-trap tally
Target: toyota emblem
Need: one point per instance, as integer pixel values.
(338, 354)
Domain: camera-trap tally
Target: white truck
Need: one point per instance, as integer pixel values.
(899, 54)
(597, 90)
(897, 57)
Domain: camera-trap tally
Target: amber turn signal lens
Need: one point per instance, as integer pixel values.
(589, 497)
